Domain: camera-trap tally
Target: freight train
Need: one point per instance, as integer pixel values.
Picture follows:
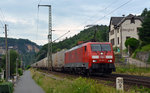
(86, 58)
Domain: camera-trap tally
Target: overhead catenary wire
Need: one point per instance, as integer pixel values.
(37, 24)
(107, 7)
(95, 22)
(112, 11)
(112, 3)
(2, 15)
(2, 23)
(39, 2)
(61, 36)
(85, 22)
(37, 20)
(2, 19)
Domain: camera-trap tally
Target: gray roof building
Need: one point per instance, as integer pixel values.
(122, 28)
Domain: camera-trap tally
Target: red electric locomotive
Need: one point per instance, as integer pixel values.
(90, 57)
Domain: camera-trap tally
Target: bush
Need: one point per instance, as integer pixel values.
(133, 43)
(135, 53)
(146, 48)
(28, 66)
(141, 49)
(6, 87)
(20, 72)
(1, 80)
(148, 59)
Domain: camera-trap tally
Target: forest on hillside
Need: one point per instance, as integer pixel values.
(84, 35)
(20, 45)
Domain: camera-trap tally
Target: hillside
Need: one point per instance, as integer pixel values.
(26, 48)
(85, 35)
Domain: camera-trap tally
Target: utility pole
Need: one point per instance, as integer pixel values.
(50, 62)
(121, 42)
(6, 53)
(8, 63)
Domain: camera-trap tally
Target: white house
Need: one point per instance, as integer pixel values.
(122, 28)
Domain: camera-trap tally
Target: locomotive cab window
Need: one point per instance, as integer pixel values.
(106, 47)
(100, 47)
(95, 47)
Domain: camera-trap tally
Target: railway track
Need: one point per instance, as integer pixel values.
(130, 80)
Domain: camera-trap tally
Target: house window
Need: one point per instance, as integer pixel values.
(118, 40)
(132, 20)
(112, 32)
(127, 37)
(112, 41)
(118, 31)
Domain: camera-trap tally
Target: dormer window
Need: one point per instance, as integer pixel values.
(132, 20)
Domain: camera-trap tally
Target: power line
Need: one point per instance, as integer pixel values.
(110, 12)
(37, 24)
(2, 17)
(2, 23)
(39, 2)
(112, 3)
(113, 11)
(37, 29)
(61, 36)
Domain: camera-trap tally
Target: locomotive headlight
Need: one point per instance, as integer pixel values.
(95, 57)
(109, 60)
(94, 60)
(109, 57)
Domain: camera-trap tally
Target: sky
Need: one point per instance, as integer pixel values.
(26, 21)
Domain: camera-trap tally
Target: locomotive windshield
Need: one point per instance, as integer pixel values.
(100, 47)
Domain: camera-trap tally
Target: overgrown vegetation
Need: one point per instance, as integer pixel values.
(78, 85)
(13, 60)
(20, 71)
(27, 67)
(141, 89)
(133, 43)
(6, 87)
(133, 70)
(145, 48)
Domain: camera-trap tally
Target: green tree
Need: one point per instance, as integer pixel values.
(132, 43)
(144, 31)
(13, 59)
(144, 13)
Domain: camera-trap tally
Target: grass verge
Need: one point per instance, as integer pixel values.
(78, 85)
(133, 70)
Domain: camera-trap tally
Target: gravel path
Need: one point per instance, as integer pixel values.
(27, 85)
